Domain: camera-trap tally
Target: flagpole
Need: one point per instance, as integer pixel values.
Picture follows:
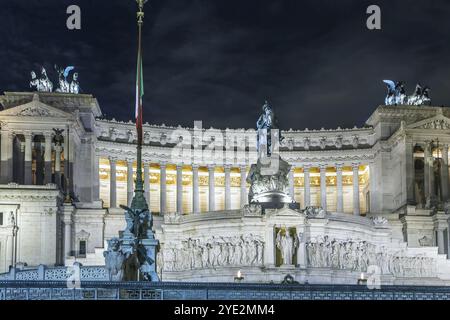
(139, 201)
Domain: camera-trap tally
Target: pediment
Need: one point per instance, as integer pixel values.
(35, 108)
(439, 122)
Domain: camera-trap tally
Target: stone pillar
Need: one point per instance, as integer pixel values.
(58, 150)
(444, 173)
(195, 189)
(28, 159)
(243, 185)
(67, 237)
(339, 187)
(6, 167)
(428, 173)
(323, 187)
(291, 183)
(163, 189)
(129, 181)
(307, 186)
(48, 158)
(179, 188)
(147, 182)
(356, 209)
(212, 191)
(227, 169)
(112, 183)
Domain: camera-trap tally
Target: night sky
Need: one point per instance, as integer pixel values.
(218, 60)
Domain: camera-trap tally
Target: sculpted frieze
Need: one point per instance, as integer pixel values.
(358, 255)
(216, 251)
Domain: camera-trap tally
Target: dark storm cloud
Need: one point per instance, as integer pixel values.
(217, 61)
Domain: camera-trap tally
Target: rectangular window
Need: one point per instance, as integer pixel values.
(1, 218)
(82, 251)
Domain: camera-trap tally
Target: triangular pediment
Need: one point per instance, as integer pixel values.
(35, 108)
(439, 122)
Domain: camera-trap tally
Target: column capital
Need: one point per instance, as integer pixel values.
(211, 167)
(306, 167)
(146, 164)
(179, 166)
(323, 167)
(130, 160)
(243, 167)
(227, 167)
(339, 166)
(28, 134)
(355, 166)
(195, 166)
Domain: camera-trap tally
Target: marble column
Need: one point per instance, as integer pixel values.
(227, 169)
(195, 190)
(339, 187)
(409, 172)
(6, 165)
(244, 199)
(291, 183)
(28, 159)
(323, 187)
(112, 183)
(179, 188)
(147, 182)
(163, 189)
(129, 181)
(212, 191)
(428, 173)
(356, 209)
(67, 238)
(58, 150)
(444, 173)
(48, 158)
(307, 186)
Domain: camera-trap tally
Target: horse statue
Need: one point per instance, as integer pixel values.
(396, 95)
(64, 85)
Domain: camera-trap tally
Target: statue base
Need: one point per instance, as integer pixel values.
(269, 184)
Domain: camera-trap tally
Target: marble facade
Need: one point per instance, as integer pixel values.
(388, 168)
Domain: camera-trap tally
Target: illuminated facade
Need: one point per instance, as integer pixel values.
(389, 168)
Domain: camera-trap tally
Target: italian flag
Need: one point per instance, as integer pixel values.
(139, 95)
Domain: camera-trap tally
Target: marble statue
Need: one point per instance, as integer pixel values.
(114, 259)
(45, 84)
(42, 84)
(287, 244)
(268, 178)
(266, 122)
(75, 85)
(396, 95)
